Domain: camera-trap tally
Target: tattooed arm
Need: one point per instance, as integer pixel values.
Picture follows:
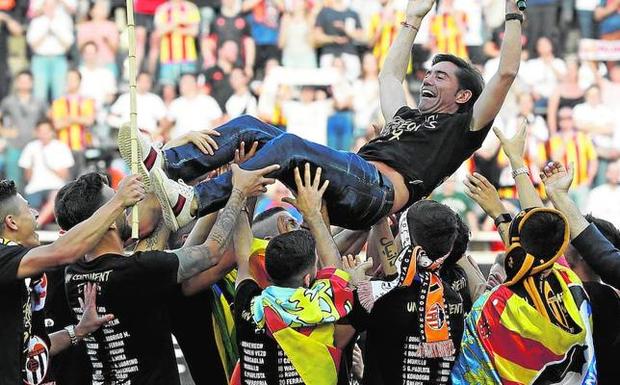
(381, 243)
(194, 259)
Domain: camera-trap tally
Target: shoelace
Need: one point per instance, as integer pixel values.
(185, 189)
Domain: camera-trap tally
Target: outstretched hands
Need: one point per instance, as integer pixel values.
(308, 199)
(90, 321)
(484, 193)
(513, 147)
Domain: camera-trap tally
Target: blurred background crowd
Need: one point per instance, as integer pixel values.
(310, 67)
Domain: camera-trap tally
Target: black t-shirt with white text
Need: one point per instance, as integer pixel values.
(136, 347)
(393, 338)
(425, 148)
(15, 315)
(262, 361)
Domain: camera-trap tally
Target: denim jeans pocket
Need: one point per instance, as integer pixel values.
(358, 204)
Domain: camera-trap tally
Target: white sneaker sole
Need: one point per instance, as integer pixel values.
(124, 146)
(160, 191)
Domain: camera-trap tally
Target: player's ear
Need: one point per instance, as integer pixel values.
(463, 96)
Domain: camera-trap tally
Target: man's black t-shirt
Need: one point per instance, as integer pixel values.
(328, 19)
(192, 326)
(15, 315)
(425, 148)
(136, 347)
(262, 361)
(71, 366)
(606, 319)
(393, 338)
(218, 83)
(235, 28)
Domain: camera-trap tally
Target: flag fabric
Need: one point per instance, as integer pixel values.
(507, 341)
(223, 294)
(301, 321)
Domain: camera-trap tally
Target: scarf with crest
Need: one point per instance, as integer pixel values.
(413, 265)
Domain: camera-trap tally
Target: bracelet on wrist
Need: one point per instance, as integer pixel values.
(514, 16)
(521, 170)
(409, 25)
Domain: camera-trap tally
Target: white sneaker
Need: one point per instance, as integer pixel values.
(149, 156)
(175, 199)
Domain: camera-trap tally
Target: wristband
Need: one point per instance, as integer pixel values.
(514, 16)
(519, 171)
(503, 218)
(407, 25)
(71, 331)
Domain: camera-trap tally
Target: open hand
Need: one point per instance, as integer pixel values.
(484, 193)
(309, 193)
(515, 146)
(252, 183)
(90, 321)
(241, 155)
(356, 268)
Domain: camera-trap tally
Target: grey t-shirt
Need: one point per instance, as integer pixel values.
(24, 117)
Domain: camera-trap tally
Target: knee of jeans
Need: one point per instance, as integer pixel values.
(245, 120)
(291, 148)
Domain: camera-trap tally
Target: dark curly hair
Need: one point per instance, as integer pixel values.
(78, 200)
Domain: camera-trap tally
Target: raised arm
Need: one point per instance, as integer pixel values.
(80, 239)
(596, 250)
(194, 259)
(392, 75)
(309, 202)
(492, 98)
(482, 192)
(381, 244)
(515, 149)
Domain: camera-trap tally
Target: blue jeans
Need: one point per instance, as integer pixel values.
(340, 130)
(171, 72)
(357, 196)
(49, 74)
(586, 24)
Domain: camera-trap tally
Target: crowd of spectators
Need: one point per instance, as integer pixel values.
(310, 67)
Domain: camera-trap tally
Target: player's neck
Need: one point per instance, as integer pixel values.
(111, 243)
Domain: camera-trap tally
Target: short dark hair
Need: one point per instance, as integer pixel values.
(288, 255)
(468, 76)
(606, 228)
(542, 234)
(43, 121)
(78, 200)
(177, 238)
(8, 191)
(433, 226)
(460, 243)
(268, 214)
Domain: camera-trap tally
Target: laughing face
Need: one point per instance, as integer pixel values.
(440, 90)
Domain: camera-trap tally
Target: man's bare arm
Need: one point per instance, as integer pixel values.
(391, 93)
(492, 98)
(194, 259)
(381, 244)
(80, 239)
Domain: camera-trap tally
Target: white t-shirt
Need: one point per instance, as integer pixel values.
(308, 121)
(473, 10)
(602, 203)
(150, 109)
(542, 77)
(97, 84)
(42, 160)
(585, 114)
(195, 114)
(238, 105)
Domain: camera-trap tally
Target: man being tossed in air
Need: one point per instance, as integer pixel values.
(415, 152)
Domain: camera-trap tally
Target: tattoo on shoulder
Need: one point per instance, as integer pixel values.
(192, 260)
